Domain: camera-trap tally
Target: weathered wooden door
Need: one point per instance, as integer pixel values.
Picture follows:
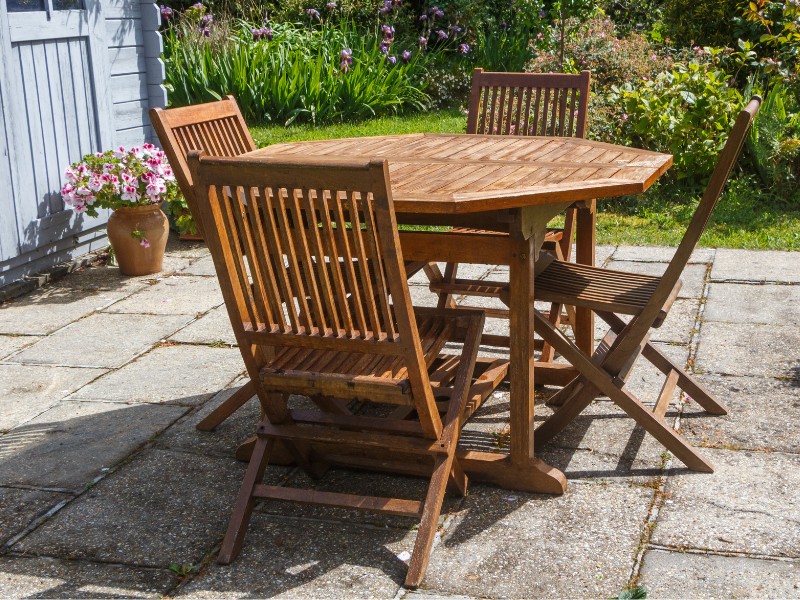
(56, 107)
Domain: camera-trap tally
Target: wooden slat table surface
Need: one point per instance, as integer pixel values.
(508, 184)
(457, 173)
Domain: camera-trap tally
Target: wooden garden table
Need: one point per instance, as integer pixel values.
(509, 184)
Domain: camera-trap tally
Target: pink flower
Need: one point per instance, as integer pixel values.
(144, 243)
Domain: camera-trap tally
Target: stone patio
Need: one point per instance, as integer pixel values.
(107, 489)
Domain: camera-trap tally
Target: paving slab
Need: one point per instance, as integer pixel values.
(101, 340)
(747, 303)
(212, 327)
(106, 278)
(662, 254)
(12, 343)
(70, 444)
(747, 349)
(294, 558)
(18, 507)
(693, 276)
(224, 440)
(756, 265)
(161, 508)
(41, 577)
(185, 375)
(708, 576)
(28, 390)
(515, 545)
(52, 307)
(203, 266)
(604, 443)
(748, 505)
(764, 414)
(176, 295)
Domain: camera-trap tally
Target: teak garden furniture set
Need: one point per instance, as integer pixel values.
(313, 269)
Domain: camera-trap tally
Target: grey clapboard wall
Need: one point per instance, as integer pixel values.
(72, 82)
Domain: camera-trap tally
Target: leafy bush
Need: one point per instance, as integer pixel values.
(286, 72)
(633, 15)
(687, 111)
(691, 23)
(613, 61)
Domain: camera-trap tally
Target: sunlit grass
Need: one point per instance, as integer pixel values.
(746, 217)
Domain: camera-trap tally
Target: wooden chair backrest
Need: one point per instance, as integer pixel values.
(307, 254)
(639, 326)
(553, 104)
(216, 128)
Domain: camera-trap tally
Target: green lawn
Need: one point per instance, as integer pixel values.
(746, 217)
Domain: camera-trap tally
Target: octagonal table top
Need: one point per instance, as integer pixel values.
(461, 173)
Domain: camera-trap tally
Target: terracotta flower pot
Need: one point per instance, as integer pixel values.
(134, 258)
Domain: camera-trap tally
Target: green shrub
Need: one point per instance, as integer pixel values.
(773, 143)
(701, 23)
(613, 61)
(301, 73)
(687, 111)
(633, 15)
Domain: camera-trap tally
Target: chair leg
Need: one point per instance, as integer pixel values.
(426, 533)
(685, 381)
(598, 380)
(228, 407)
(446, 299)
(237, 528)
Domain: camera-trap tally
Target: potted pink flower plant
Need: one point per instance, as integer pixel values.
(133, 183)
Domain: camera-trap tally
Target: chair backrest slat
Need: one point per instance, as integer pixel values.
(307, 254)
(216, 128)
(638, 327)
(529, 103)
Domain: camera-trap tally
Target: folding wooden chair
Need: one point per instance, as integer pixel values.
(553, 104)
(310, 266)
(647, 300)
(218, 129)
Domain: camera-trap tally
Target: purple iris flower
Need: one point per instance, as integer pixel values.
(454, 28)
(423, 17)
(391, 60)
(423, 43)
(330, 5)
(405, 56)
(347, 59)
(166, 13)
(313, 13)
(463, 48)
(442, 34)
(437, 13)
(207, 21)
(263, 33)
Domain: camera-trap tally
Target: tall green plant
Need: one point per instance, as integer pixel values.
(291, 73)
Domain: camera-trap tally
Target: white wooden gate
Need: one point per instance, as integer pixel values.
(56, 107)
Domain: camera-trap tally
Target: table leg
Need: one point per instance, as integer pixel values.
(521, 276)
(585, 228)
